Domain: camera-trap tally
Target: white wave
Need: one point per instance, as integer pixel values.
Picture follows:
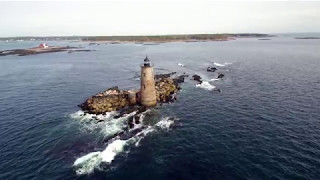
(87, 163)
(165, 123)
(80, 115)
(108, 125)
(141, 118)
(221, 64)
(112, 150)
(115, 125)
(181, 65)
(206, 85)
(139, 136)
(214, 79)
(77, 115)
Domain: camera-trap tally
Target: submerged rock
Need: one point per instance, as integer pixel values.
(220, 75)
(129, 134)
(197, 78)
(211, 69)
(130, 109)
(179, 79)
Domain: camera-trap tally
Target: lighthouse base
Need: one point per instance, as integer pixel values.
(149, 103)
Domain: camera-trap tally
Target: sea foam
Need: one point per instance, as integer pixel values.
(107, 126)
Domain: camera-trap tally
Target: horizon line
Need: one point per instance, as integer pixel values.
(150, 35)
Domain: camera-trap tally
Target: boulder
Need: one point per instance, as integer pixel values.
(130, 122)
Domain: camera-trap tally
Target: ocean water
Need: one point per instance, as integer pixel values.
(264, 124)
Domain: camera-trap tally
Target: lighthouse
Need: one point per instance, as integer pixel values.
(148, 90)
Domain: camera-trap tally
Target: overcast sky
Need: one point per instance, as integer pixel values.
(155, 17)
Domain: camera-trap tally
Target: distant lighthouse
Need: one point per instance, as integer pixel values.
(148, 90)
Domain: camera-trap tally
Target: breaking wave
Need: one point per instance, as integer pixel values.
(213, 79)
(181, 65)
(165, 123)
(89, 162)
(221, 64)
(105, 124)
(206, 85)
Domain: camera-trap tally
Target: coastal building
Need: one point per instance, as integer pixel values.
(43, 45)
(148, 96)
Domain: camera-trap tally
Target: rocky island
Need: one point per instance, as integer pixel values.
(161, 88)
(113, 99)
(42, 48)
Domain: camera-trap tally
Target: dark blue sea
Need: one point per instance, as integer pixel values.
(263, 125)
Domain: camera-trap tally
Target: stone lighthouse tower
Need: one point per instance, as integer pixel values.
(147, 91)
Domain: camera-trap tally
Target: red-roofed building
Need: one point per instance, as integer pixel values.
(43, 45)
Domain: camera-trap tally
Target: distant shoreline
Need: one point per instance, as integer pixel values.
(174, 38)
(307, 37)
(141, 39)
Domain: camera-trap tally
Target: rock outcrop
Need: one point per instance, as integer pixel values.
(114, 99)
(165, 90)
(110, 100)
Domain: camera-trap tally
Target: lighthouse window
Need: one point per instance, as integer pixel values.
(144, 86)
(144, 74)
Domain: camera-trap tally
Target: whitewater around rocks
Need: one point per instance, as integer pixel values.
(86, 164)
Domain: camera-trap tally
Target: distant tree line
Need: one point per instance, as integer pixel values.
(172, 37)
